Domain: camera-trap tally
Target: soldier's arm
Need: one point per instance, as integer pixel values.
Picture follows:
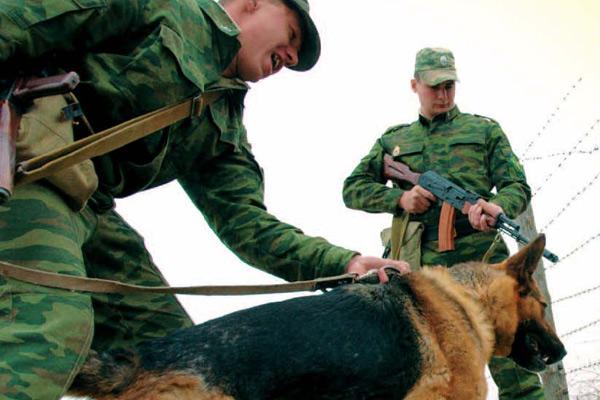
(229, 193)
(508, 175)
(365, 189)
(31, 30)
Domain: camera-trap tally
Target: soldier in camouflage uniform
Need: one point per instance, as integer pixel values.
(470, 150)
(135, 56)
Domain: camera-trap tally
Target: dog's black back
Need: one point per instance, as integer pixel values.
(303, 348)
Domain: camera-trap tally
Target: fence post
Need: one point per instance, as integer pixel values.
(554, 378)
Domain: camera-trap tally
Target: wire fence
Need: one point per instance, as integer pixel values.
(591, 293)
(551, 117)
(575, 295)
(566, 157)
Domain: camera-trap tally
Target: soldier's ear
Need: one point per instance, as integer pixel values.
(523, 264)
(413, 85)
(250, 5)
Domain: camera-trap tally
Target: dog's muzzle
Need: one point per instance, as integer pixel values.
(535, 347)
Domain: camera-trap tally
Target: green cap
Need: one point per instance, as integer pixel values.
(311, 43)
(435, 65)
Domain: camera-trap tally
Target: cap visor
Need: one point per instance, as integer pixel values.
(311, 44)
(435, 77)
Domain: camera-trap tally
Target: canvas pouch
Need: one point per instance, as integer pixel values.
(43, 129)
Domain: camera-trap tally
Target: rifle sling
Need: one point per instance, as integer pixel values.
(110, 139)
(94, 285)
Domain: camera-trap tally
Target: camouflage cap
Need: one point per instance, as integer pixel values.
(311, 43)
(435, 65)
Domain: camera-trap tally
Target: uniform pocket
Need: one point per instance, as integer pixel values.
(410, 154)
(158, 55)
(468, 156)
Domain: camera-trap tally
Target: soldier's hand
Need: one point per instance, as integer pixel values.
(483, 215)
(416, 200)
(363, 264)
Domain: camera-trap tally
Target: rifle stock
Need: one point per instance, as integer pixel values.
(9, 123)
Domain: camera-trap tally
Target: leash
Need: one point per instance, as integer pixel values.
(95, 285)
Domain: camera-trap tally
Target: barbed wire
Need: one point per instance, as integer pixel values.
(581, 328)
(574, 295)
(552, 115)
(565, 158)
(590, 365)
(573, 198)
(575, 250)
(562, 153)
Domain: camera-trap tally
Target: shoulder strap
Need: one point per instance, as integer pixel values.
(112, 138)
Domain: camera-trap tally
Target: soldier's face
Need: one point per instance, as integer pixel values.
(436, 99)
(270, 39)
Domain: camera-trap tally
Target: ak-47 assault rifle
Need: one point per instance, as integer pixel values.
(14, 102)
(454, 197)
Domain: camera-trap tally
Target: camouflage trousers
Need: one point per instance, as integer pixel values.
(513, 381)
(45, 333)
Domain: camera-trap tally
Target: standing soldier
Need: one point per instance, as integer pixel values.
(133, 57)
(470, 150)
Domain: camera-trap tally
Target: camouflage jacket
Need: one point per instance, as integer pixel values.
(135, 56)
(472, 151)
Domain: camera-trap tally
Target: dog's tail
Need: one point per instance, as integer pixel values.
(105, 374)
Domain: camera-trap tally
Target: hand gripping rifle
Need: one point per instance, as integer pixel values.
(13, 104)
(454, 198)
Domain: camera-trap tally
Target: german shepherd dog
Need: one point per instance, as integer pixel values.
(424, 335)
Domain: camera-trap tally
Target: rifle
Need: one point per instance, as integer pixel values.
(454, 198)
(17, 99)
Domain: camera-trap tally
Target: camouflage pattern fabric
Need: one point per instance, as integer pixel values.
(46, 333)
(435, 65)
(473, 152)
(133, 56)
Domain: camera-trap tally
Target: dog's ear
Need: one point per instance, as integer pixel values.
(523, 264)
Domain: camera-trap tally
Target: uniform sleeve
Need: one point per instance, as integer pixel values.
(513, 192)
(365, 188)
(229, 193)
(32, 29)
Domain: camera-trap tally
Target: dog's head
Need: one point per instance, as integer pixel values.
(525, 336)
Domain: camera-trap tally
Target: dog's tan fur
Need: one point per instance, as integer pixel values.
(169, 386)
(467, 324)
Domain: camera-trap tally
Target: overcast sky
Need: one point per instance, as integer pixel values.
(517, 62)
